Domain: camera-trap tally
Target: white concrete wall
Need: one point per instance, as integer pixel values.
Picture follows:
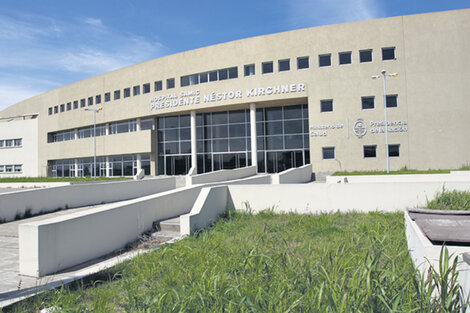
(77, 195)
(296, 175)
(423, 253)
(222, 175)
(210, 204)
(316, 198)
(454, 176)
(27, 154)
(51, 245)
(33, 185)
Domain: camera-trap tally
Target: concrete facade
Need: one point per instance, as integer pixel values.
(19, 146)
(428, 118)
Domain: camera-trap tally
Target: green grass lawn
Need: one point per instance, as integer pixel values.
(261, 263)
(402, 171)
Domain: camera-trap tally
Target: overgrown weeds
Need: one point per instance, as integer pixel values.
(450, 200)
(263, 263)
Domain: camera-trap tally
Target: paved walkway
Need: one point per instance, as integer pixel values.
(14, 287)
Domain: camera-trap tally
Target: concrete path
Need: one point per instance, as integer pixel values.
(14, 287)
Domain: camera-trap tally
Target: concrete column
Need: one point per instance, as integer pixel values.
(107, 129)
(193, 141)
(75, 134)
(137, 126)
(139, 162)
(254, 150)
(107, 164)
(76, 167)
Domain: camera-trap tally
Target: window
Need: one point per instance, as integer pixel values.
(393, 150)
(146, 88)
(123, 127)
(344, 57)
(388, 53)
(117, 94)
(267, 67)
(75, 104)
(203, 77)
(249, 70)
(69, 106)
(223, 74)
(9, 143)
(107, 97)
(302, 62)
(170, 83)
(370, 151)
(2, 142)
(324, 60)
(213, 76)
(367, 103)
(146, 123)
(136, 90)
(98, 99)
(50, 111)
(158, 85)
(8, 168)
(2, 168)
(90, 100)
(392, 101)
(127, 92)
(328, 153)
(82, 103)
(18, 142)
(233, 72)
(62, 107)
(18, 168)
(56, 109)
(365, 56)
(326, 105)
(184, 81)
(284, 65)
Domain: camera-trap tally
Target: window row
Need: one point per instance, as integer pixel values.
(15, 168)
(11, 143)
(118, 165)
(323, 60)
(200, 78)
(369, 151)
(367, 103)
(101, 130)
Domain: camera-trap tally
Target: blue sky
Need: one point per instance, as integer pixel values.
(48, 44)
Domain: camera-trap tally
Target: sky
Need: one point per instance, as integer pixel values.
(48, 44)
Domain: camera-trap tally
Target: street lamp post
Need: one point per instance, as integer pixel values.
(384, 75)
(94, 138)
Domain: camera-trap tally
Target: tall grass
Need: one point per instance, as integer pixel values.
(262, 263)
(450, 200)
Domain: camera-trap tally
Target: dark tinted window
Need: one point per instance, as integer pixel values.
(388, 53)
(302, 63)
(328, 153)
(393, 150)
(158, 85)
(392, 101)
(324, 60)
(345, 57)
(249, 70)
(365, 56)
(326, 106)
(367, 103)
(170, 83)
(267, 67)
(370, 151)
(284, 65)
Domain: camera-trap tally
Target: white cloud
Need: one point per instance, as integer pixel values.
(305, 13)
(39, 47)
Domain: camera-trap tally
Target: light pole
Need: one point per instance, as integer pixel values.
(94, 137)
(384, 75)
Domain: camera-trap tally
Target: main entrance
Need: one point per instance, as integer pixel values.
(177, 164)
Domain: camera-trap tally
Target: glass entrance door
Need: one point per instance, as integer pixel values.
(278, 161)
(228, 161)
(178, 164)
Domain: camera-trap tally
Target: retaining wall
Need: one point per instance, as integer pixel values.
(296, 175)
(453, 176)
(16, 203)
(220, 176)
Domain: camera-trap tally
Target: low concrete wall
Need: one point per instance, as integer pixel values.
(316, 198)
(32, 185)
(454, 176)
(296, 175)
(51, 245)
(220, 176)
(423, 253)
(77, 195)
(211, 203)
